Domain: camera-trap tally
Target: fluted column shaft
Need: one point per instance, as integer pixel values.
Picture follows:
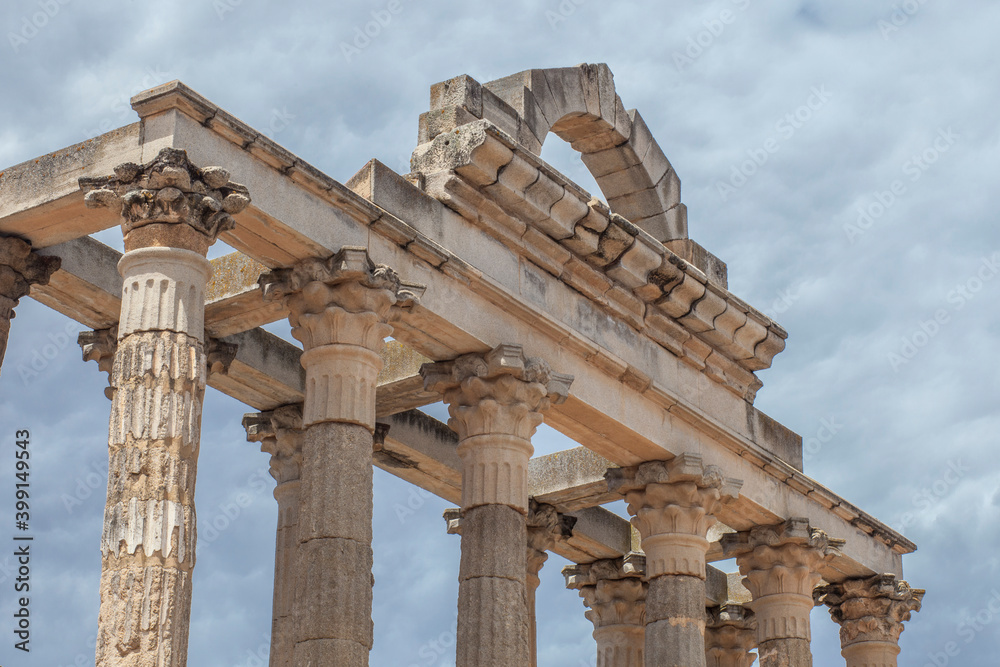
(871, 613)
(615, 594)
(339, 310)
(673, 505)
(20, 268)
(781, 568)
(279, 432)
(171, 212)
(496, 403)
(545, 527)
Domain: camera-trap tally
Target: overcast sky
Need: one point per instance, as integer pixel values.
(866, 227)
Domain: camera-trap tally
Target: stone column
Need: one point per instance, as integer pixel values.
(496, 402)
(100, 345)
(615, 593)
(171, 212)
(870, 613)
(20, 268)
(672, 504)
(546, 526)
(781, 565)
(730, 636)
(339, 310)
(280, 433)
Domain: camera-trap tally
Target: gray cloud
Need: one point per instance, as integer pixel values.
(849, 302)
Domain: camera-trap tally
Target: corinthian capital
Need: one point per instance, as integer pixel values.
(871, 609)
(500, 392)
(345, 298)
(169, 191)
(546, 526)
(280, 433)
(100, 346)
(779, 559)
(219, 354)
(612, 589)
(673, 505)
(730, 635)
(20, 268)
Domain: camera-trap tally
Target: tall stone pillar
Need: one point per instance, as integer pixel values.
(20, 268)
(615, 593)
(730, 636)
(496, 402)
(672, 505)
(339, 310)
(781, 565)
(870, 613)
(171, 212)
(279, 433)
(546, 526)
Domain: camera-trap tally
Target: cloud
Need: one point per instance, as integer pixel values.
(855, 300)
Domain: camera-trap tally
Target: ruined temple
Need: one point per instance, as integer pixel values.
(506, 291)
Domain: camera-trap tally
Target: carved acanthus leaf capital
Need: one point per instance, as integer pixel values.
(280, 433)
(219, 355)
(871, 609)
(345, 298)
(613, 589)
(501, 391)
(785, 558)
(676, 496)
(169, 190)
(100, 346)
(730, 635)
(20, 268)
(546, 526)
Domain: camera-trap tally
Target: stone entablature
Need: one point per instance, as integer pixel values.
(564, 263)
(476, 168)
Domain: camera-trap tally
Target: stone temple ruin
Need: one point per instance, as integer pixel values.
(509, 293)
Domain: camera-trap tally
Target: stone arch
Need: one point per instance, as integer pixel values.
(579, 105)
